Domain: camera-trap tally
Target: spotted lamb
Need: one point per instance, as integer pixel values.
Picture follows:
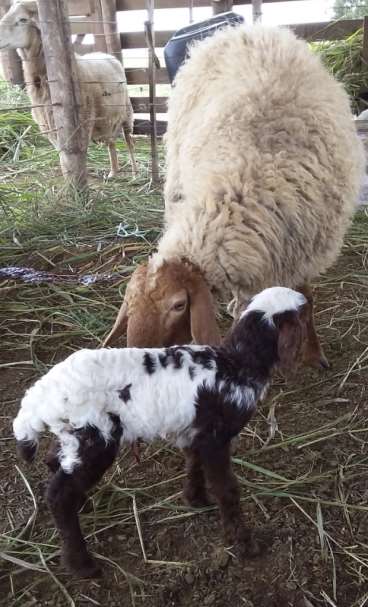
(197, 397)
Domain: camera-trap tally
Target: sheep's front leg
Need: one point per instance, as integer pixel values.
(66, 493)
(216, 462)
(195, 487)
(313, 355)
(114, 162)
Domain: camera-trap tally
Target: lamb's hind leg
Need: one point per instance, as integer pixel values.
(195, 487)
(130, 145)
(216, 461)
(314, 355)
(114, 161)
(66, 490)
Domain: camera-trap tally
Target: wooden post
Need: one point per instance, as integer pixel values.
(110, 23)
(98, 28)
(10, 60)
(365, 40)
(152, 62)
(257, 10)
(190, 11)
(64, 89)
(221, 6)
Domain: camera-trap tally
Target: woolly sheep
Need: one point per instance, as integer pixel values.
(106, 107)
(263, 173)
(197, 397)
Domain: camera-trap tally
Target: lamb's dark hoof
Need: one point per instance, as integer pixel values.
(197, 501)
(86, 568)
(248, 545)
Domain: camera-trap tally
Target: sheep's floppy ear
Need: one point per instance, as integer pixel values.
(120, 325)
(203, 322)
(289, 341)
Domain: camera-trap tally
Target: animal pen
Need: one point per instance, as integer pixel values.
(100, 19)
(65, 261)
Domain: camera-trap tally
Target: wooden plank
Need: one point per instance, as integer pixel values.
(138, 40)
(141, 105)
(80, 26)
(143, 127)
(140, 76)
(80, 7)
(111, 28)
(221, 6)
(135, 5)
(327, 30)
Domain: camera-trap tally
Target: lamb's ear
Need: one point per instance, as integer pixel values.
(120, 325)
(203, 322)
(289, 341)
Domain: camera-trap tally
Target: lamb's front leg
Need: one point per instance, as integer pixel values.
(195, 486)
(216, 462)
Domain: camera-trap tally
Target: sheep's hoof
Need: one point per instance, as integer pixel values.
(84, 567)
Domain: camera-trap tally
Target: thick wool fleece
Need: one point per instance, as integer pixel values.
(263, 162)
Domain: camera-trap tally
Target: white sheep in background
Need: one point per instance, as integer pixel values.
(196, 397)
(263, 173)
(106, 109)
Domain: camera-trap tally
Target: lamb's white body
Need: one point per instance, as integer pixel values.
(83, 389)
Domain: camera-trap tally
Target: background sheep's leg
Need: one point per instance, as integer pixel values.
(216, 463)
(130, 145)
(114, 162)
(195, 487)
(66, 494)
(314, 355)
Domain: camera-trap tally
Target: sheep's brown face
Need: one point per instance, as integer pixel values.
(166, 306)
(17, 26)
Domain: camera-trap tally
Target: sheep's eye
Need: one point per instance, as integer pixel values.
(22, 21)
(179, 306)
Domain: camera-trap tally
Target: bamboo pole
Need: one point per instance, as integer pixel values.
(10, 61)
(64, 89)
(152, 64)
(113, 43)
(257, 10)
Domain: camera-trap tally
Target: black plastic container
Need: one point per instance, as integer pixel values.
(176, 50)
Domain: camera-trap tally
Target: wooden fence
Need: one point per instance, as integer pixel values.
(136, 40)
(92, 17)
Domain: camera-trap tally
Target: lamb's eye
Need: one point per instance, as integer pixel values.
(22, 21)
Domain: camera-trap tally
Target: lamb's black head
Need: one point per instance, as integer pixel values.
(280, 317)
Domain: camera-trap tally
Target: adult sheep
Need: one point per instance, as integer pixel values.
(263, 174)
(106, 108)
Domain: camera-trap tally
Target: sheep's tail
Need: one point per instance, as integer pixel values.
(26, 427)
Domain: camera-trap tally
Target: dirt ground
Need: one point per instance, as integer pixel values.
(305, 489)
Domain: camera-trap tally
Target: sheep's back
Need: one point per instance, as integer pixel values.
(105, 95)
(263, 162)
